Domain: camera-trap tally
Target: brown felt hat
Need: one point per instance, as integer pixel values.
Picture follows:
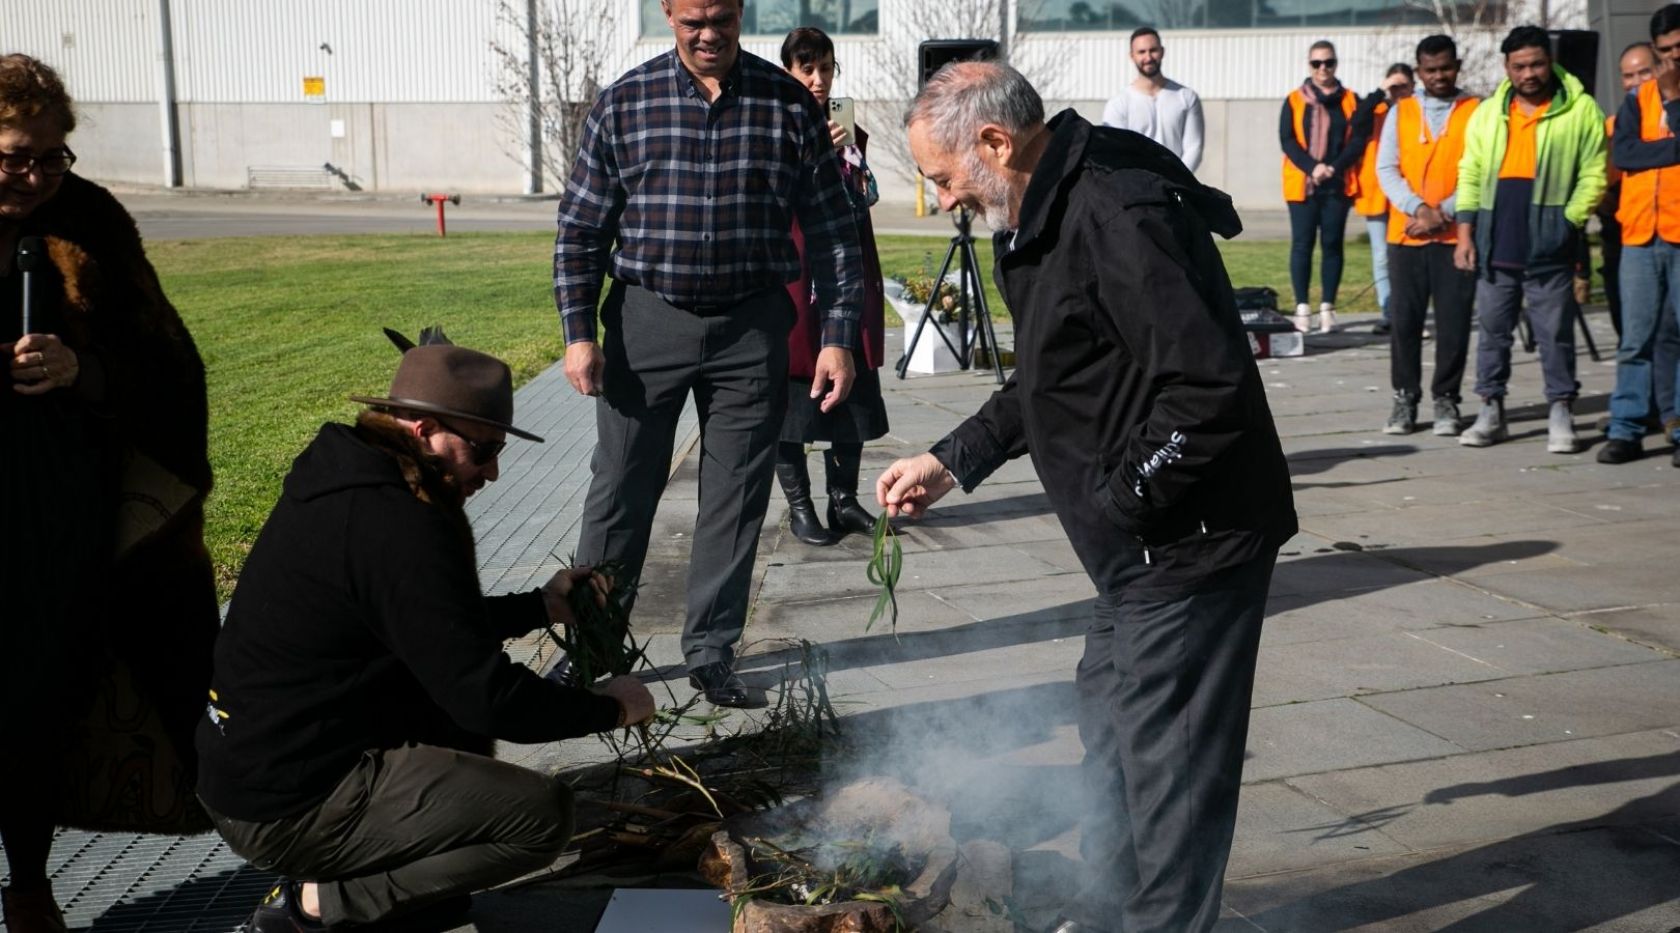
(443, 379)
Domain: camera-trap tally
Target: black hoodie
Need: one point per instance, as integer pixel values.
(358, 624)
(1135, 390)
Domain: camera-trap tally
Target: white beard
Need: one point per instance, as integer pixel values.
(993, 193)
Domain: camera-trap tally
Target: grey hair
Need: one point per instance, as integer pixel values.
(964, 96)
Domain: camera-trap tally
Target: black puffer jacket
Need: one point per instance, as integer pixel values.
(358, 624)
(1135, 390)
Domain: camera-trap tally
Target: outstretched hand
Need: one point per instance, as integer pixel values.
(912, 484)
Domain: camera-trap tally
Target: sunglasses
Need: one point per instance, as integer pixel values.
(1322, 62)
(483, 452)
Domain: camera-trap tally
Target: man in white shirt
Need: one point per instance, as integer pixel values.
(1159, 108)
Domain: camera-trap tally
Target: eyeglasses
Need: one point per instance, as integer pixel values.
(1322, 62)
(56, 162)
(483, 452)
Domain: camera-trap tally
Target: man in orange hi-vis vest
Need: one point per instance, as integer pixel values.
(1648, 154)
(1417, 165)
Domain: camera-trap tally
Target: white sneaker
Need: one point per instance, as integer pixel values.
(1326, 317)
(1560, 430)
(1303, 318)
(1489, 428)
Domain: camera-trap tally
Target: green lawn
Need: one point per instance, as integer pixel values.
(289, 326)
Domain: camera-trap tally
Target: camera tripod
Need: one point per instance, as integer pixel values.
(971, 293)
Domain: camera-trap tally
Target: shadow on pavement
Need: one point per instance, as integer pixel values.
(1569, 876)
(1308, 462)
(883, 647)
(210, 904)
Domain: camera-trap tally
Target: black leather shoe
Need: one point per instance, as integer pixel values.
(718, 683)
(846, 515)
(1381, 328)
(802, 513)
(1619, 451)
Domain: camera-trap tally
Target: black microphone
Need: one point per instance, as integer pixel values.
(30, 253)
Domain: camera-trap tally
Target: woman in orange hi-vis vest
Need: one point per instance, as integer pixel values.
(1321, 153)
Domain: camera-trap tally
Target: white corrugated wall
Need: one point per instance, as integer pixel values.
(105, 50)
(415, 51)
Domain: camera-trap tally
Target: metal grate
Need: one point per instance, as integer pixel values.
(126, 883)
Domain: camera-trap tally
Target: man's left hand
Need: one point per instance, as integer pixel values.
(558, 590)
(834, 376)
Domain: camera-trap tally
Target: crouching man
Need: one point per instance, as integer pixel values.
(360, 678)
(1138, 400)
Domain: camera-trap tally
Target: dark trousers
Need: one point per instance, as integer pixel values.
(411, 826)
(1164, 691)
(1610, 237)
(735, 363)
(1501, 295)
(1416, 274)
(1323, 215)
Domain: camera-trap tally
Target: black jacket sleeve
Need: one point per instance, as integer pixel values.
(1292, 149)
(990, 437)
(515, 614)
(1633, 154)
(417, 579)
(1195, 357)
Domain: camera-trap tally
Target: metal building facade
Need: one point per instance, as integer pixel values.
(404, 96)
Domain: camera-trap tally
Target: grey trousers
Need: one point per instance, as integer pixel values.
(1163, 692)
(735, 362)
(410, 826)
(1499, 300)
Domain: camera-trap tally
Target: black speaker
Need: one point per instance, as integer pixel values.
(935, 54)
(1576, 50)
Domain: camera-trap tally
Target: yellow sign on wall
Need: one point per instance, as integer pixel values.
(315, 89)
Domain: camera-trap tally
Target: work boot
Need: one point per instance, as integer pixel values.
(1616, 450)
(1326, 317)
(1560, 430)
(802, 513)
(282, 912)
(1489, 428)
(1446, 417)
(1303, 318)
(1403, 419)
(845, 514)
(32, 911)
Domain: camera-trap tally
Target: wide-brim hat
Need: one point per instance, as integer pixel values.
(443, 379)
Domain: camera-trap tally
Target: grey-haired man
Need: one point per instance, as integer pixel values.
(1136, 390)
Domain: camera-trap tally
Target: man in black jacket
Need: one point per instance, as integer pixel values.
(1139, 402)
(360, 678)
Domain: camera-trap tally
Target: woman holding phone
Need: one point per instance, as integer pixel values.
(808, 54)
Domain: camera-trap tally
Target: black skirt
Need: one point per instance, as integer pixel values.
(861, 417)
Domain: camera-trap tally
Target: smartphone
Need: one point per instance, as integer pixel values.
(841, 111)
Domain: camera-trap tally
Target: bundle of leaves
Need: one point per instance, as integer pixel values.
(829, 872)
(599, 642)
(886, 564)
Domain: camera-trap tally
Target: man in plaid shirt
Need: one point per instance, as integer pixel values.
(696, 163)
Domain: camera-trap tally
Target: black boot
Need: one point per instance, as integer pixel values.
(796, 485)
(845, 514)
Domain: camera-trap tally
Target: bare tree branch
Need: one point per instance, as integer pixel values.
(575, 46)
(895, 62)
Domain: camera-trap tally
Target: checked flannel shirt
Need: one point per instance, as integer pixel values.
(701, 197)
